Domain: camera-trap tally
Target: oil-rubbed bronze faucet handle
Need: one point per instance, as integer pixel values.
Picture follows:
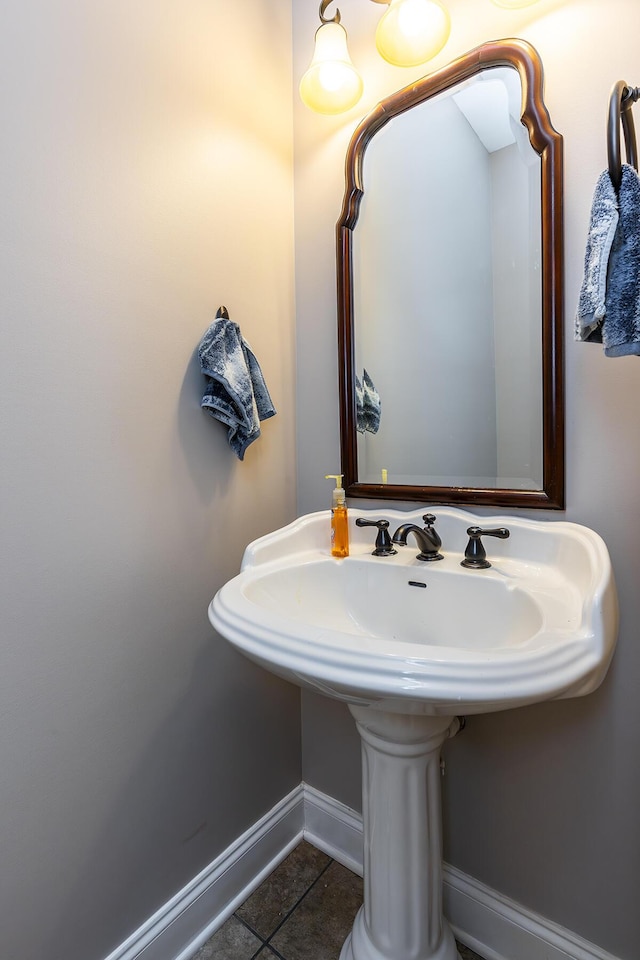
(429, 520)
(384, 547)
(475, 556)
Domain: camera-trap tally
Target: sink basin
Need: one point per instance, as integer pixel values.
(410, 645)
(435, 638)
(385, 609)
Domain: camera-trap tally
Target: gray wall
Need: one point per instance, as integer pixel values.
(146, 169)
(541, 803)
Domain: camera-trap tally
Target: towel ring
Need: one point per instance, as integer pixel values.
(622, 99)
(222, 314)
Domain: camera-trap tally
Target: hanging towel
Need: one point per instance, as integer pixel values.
(621, 324)
(609, 308)
(602, 228)
(370, 403)
(235, 392)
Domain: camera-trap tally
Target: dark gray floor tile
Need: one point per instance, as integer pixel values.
(466, 953)
(278, 894)
(267, 954)
(232, 942)
(319, 926)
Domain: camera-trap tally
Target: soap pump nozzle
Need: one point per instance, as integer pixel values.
(339, 497)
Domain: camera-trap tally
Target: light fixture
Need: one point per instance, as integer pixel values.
(331, 84)
(513, 4)
(412, 31)
(409, 33)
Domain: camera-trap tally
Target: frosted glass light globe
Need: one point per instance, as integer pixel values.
(331, 84)
(412, 31)
(513, 4)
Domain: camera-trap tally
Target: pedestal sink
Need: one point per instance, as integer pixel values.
(412, 647)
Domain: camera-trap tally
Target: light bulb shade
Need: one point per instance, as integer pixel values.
(331, 84)
(412, 32)
(513, 4)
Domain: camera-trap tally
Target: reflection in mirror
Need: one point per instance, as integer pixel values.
(450, 337)
(453, 291)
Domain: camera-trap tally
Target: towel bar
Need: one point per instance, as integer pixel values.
(620, 102)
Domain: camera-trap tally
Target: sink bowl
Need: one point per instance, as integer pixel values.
(410, 645)
(385, 610)
(434, 638)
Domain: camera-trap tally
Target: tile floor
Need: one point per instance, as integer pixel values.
(302, 911)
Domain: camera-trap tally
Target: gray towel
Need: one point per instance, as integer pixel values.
(235, 392)
(368, 405)
(602, 228)
(621, 324)
(609, 308)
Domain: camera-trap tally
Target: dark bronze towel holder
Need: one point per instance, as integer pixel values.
(222, 314)
(620, 103)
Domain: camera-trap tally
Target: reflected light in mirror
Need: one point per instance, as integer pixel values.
(331, 84)
(412, 32)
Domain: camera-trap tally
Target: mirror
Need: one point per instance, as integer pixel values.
(450, 290)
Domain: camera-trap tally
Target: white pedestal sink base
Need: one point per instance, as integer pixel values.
(539, 624)
(401, 918)
(358, 944)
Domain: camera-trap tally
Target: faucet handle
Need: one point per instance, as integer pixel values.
(429, 520)
(475, 555)
(384, 547)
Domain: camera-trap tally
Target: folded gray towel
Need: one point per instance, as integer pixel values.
(602, 228)
(235, 393)
(621, 324)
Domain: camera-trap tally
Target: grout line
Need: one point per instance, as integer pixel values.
(272, 951)
(255, 933)
(276, 953)
(297, 904)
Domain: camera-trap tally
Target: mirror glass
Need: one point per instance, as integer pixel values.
(448, 289)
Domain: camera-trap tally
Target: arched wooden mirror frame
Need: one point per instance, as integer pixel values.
(548, 144)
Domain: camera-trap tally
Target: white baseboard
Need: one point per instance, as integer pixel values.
(487, 921)
(180, 927)
(333, 828)
(501, 929)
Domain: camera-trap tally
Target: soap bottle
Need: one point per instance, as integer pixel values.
(339, 522)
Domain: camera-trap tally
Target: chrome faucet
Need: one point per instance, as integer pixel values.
(426, 537)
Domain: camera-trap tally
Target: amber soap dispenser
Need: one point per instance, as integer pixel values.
(339, 521)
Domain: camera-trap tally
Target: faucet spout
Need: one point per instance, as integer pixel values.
(427, 539)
